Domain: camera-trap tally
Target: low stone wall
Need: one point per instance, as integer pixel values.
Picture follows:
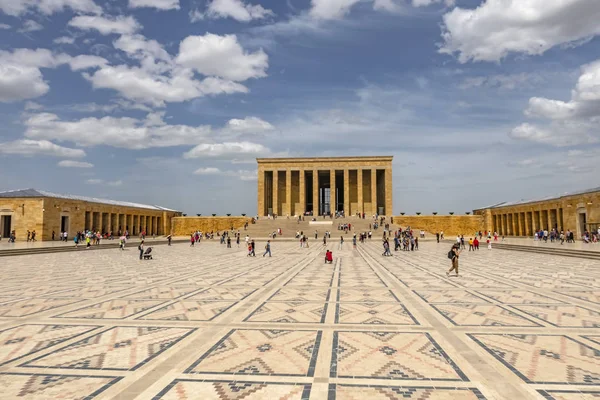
(450, 224)
(183, 226)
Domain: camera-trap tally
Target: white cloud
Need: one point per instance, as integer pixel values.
(20, 83)
(86, 62)
(566, 123)
(331, 9)
(425, 3)
(64, 40)
(249, 125)
(227, 149)
(106, 25)
(159, 4)
(74, 164)
(507, 82)
(19, 7)
(243, 175)
(235, 9)
(499, 27)
(96, 181)
(39, 147)
(125, 132)
(30, 105)
(222, 56)
(31, 26)
(207, 171)
(5, 26)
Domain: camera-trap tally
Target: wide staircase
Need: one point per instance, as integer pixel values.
(264, 227)
(565, 252)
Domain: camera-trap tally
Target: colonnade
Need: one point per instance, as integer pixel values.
(296, 191)
(133, 223)
(526, 223)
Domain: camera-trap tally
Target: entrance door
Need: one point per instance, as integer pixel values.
(582, 223)
(64, 224)
(6, 224)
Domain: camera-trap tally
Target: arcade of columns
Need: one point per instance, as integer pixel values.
(526, 223)
(323, 185)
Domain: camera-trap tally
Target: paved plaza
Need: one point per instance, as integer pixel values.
(210, 323)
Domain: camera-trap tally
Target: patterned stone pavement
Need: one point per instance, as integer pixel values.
(210, 323)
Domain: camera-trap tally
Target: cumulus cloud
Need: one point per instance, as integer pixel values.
(20, 75)
(64, 40)
(19, 82)
(125, 132)
(19, 7)
(244, 175)
(5, 26)
(566, 123)
(74, 164)
(235, 9)
(159, 4)
(31, 105)
(106, 25)
(249, 125)
(30, 25)
(498, 27)
(425, 3)
(337, 9)
(39, 147)
(227, 149)
(222, 56)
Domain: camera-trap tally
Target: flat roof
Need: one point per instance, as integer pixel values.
(540, 199)
(336, 158)
(33, 193)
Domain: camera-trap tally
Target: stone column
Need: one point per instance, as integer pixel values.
(261, 193)
(276, 192)
(541, 218)
(288, 191)
(374, 191)
(388, 192)
(359, 174)
(332, 197)
(315, 192)
(346, 192)
(513, 224)
(302, 193)
(549, 217)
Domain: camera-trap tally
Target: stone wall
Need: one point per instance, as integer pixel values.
(450, 224)
(183, 226)
(26, 214)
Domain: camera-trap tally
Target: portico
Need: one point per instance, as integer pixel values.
(324, 185)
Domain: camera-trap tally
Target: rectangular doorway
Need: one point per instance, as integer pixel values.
(64, 224)
(6, 225)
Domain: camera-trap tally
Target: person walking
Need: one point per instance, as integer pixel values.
(76, 240)
(341, 242)
(169, 239)
(453, 254)
(53, 233)
(228, 242)
(471, 248)
(267, 248)
(141, 249)
(192, 240)
(237, 240)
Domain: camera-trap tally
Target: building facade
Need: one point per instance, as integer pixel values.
(324, 185)
(45, 212)
(578, 212)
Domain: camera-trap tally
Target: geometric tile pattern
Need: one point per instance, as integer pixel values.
(463, 314)
(27, 339)
(44, 386)
(118, 348)
(188, 310)
(548, 359)
(112, 309)
(377, 392)
(207, 322)
(261, 352)
(563, 315)
(373, 313)
(392, 355)
(184, 389)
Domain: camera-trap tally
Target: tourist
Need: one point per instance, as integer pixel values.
(437, 236)
(53, 233)
(316, 235)
(325, 240)
(228, 242)
(169, 239)
(328, 257)
(141, 249)
(28, 236)
(76, 240)
(475, 243)
(471, 248)
(453, 254)
(489, 243)
(341, 242)
(88, 242)
(192, 240)
(237, 240)
(253, 245)
(267, 248)
(65, 235)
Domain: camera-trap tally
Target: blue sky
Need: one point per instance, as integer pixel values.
(169, 102)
